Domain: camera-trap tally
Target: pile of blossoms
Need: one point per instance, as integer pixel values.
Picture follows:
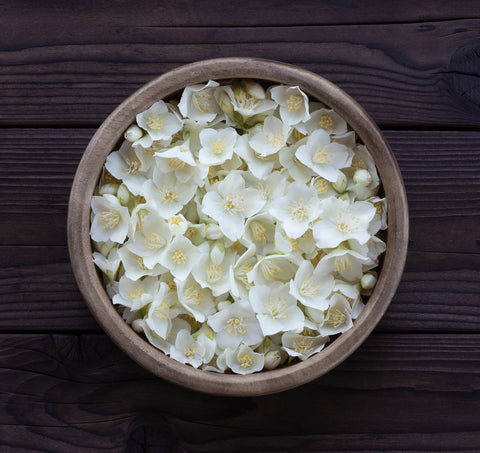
(238, 228)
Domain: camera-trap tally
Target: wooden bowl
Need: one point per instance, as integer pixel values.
(139, 349)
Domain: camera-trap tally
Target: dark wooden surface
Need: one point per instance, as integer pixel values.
(415, 383)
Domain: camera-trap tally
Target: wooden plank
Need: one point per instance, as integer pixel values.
(400, 72)
(397, 392)
(440, 169)
(438, 292)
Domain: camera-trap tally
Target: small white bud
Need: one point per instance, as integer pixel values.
(274, 358)
(254, 89)
(123, 194)
(213, 231)
(362, 177)
(341, 183)
(137, 325)
(110, 188)
(368, 280)
(225, 103)
(217, 253)
(133, 133)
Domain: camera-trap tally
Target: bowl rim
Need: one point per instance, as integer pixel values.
(139, 349)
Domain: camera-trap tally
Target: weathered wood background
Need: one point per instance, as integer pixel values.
(415, 383)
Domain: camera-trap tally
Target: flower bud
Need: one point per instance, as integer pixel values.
(137, 325)
(254, 89)
(341, 183)
(213, 231)
(362, 177)
(110, 188)
(133, 133)
(368, 280)
(274, 358)
(217, 253)
(123, 194)
(225, 103)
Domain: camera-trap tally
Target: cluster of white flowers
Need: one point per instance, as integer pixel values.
(237, 227)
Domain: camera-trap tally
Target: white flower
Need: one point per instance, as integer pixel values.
(229, 203)
(273, 268)
(167, 194)
(311, 286)
(324, 157)
(135, 266)
(338, 318)
(166, 343)
(214, 275)
(135, 294)
(180, 161)
(287, 245)
(297, 170)
(193, 351)
(303, 346)
(198, 102)
(178, 224)
(341, 221)
(110, 221)
(217, 145)
(260, 166)
(108, 264)
(239, 283)
(159, 123)
(276, 309)
(125, 165)
(269, 138)
(236, 324)
(344, 263)
(197, 301)
(150, 240)
(328, 120)
(163, 309)
(260, 230)
(244, 360)
(293, 104)
(296, 210)
(179, 257)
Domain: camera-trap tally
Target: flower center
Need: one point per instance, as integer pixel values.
(321, 185)
(154, 242)
(245, 361)
(309, 288)
(298, 211)
(214, 272)
(322, 157)
(346, 222)
(277, 308)
(110, 219)
(276, 139)
(270, 270)
(167, 194)
(336, 317)
(163, 310)
(293, 103)
(154, 122)
(246, 101)
(202, 100)
(235, 326)
(189, 351)
(260, 233)
(133, 166)
(325, 122)
(303, 345)
(218, 147)
(136, 293)
(176, 163)
(192, 293)
(233, 204)
(342, 265)
(179, 257)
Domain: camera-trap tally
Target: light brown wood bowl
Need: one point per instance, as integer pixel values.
(139, 349)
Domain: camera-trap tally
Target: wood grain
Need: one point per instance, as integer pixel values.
(400, 72)
(61, 391)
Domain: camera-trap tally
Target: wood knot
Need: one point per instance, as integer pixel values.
(463, 73)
